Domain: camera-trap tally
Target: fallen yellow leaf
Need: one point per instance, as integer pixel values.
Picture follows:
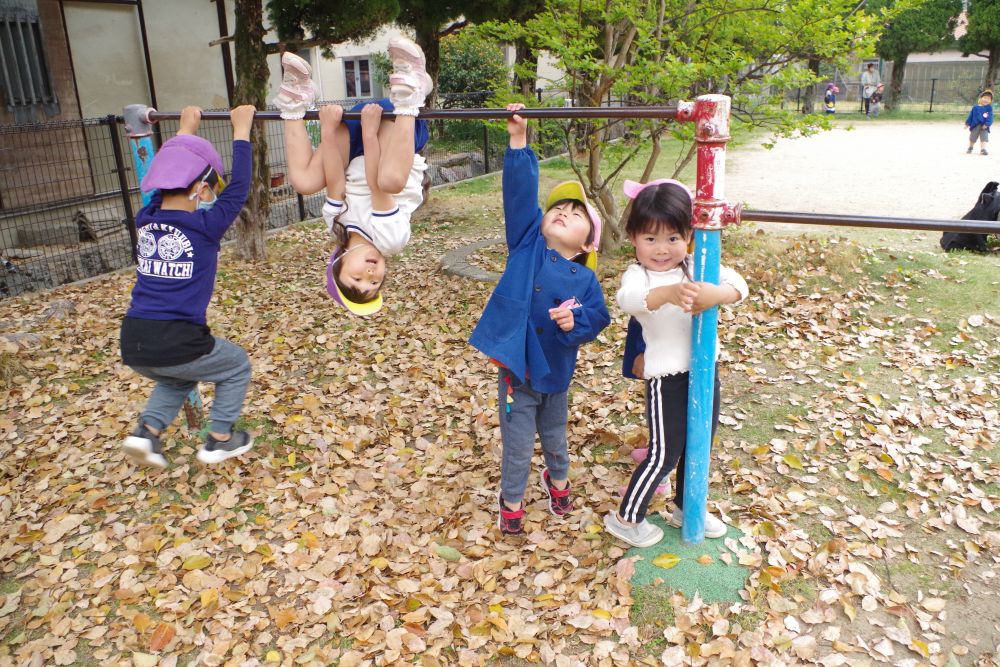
(666, 561)
(197, 562)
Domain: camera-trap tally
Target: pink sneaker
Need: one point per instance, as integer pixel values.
(639, 455)
(295, 69)
(409, 83)
(298, 92)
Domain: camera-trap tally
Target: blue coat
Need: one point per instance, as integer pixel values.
(981, 114)
(515, 328)
(635, 345)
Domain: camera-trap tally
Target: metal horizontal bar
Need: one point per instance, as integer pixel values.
(964, 226)
(465, 114)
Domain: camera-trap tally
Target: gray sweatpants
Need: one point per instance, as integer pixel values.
(530, 412)
(227, 365)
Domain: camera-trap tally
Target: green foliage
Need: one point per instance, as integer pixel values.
(330, 22)
(916, 27)
(381, 68)
(470, 63)
(983, 31)
(657, 53)
(983, 34)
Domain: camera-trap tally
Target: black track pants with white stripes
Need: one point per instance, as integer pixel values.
(666, 415)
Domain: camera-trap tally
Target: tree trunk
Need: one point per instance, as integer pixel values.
(251, 88)
(896, 83)
(992, 65)
(430, 42)
(809, 101)
(526, 59)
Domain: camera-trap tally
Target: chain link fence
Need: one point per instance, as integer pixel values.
(932, 94)
(69, 195)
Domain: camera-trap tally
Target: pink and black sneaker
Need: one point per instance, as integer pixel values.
(510, 522)
(560, 503)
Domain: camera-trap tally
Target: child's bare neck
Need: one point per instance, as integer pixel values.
(179, 202)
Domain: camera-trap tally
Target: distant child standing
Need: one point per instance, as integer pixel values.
(659, 293)
(164, 335)
(547, 304)
(371, 169)
(830, 98)
(979, 120)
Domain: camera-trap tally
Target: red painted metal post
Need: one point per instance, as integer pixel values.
(711, 214)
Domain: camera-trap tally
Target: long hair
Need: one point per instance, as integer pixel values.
(340, 239)
(663, 207)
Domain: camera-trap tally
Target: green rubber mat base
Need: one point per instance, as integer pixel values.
(713, 580)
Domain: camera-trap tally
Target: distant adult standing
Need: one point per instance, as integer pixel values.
(870, 79)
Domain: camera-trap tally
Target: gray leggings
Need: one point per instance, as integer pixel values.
(531, 412)
(227, 365)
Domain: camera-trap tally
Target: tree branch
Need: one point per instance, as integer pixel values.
(453, 28)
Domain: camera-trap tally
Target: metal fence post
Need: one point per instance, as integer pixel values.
(120, 170)
(486, 147)
(798, 100)
(933, 86)
(302, 205)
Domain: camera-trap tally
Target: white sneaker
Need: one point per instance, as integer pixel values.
(642, 534)
(714, 527)
(144, 447)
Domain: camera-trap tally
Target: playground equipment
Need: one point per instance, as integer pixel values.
(712, 213)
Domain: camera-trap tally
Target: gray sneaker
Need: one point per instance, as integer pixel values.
(643, 534)
(144, 447)
(216, 451)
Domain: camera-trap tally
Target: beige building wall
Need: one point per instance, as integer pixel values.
(186, 70)
(330, 72)
(551, 79)
(107, 57)
(109, 63)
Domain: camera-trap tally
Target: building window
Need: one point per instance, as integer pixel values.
(24, 73)
(357, 74)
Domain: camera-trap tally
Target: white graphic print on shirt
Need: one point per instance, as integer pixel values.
(158, 257)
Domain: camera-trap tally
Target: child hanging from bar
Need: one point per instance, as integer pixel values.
(371, 169)
(659, 293)
(547, 304)
(164, 335)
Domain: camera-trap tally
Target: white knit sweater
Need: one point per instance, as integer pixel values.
(666, 330)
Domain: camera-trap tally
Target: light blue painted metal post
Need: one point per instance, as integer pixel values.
(140, 140)
(711, 213)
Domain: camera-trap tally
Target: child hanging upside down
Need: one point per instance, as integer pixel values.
(371, 170)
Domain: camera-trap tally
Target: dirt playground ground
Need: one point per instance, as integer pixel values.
(890, 168)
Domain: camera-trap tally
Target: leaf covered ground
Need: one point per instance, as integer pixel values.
(858, 454)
